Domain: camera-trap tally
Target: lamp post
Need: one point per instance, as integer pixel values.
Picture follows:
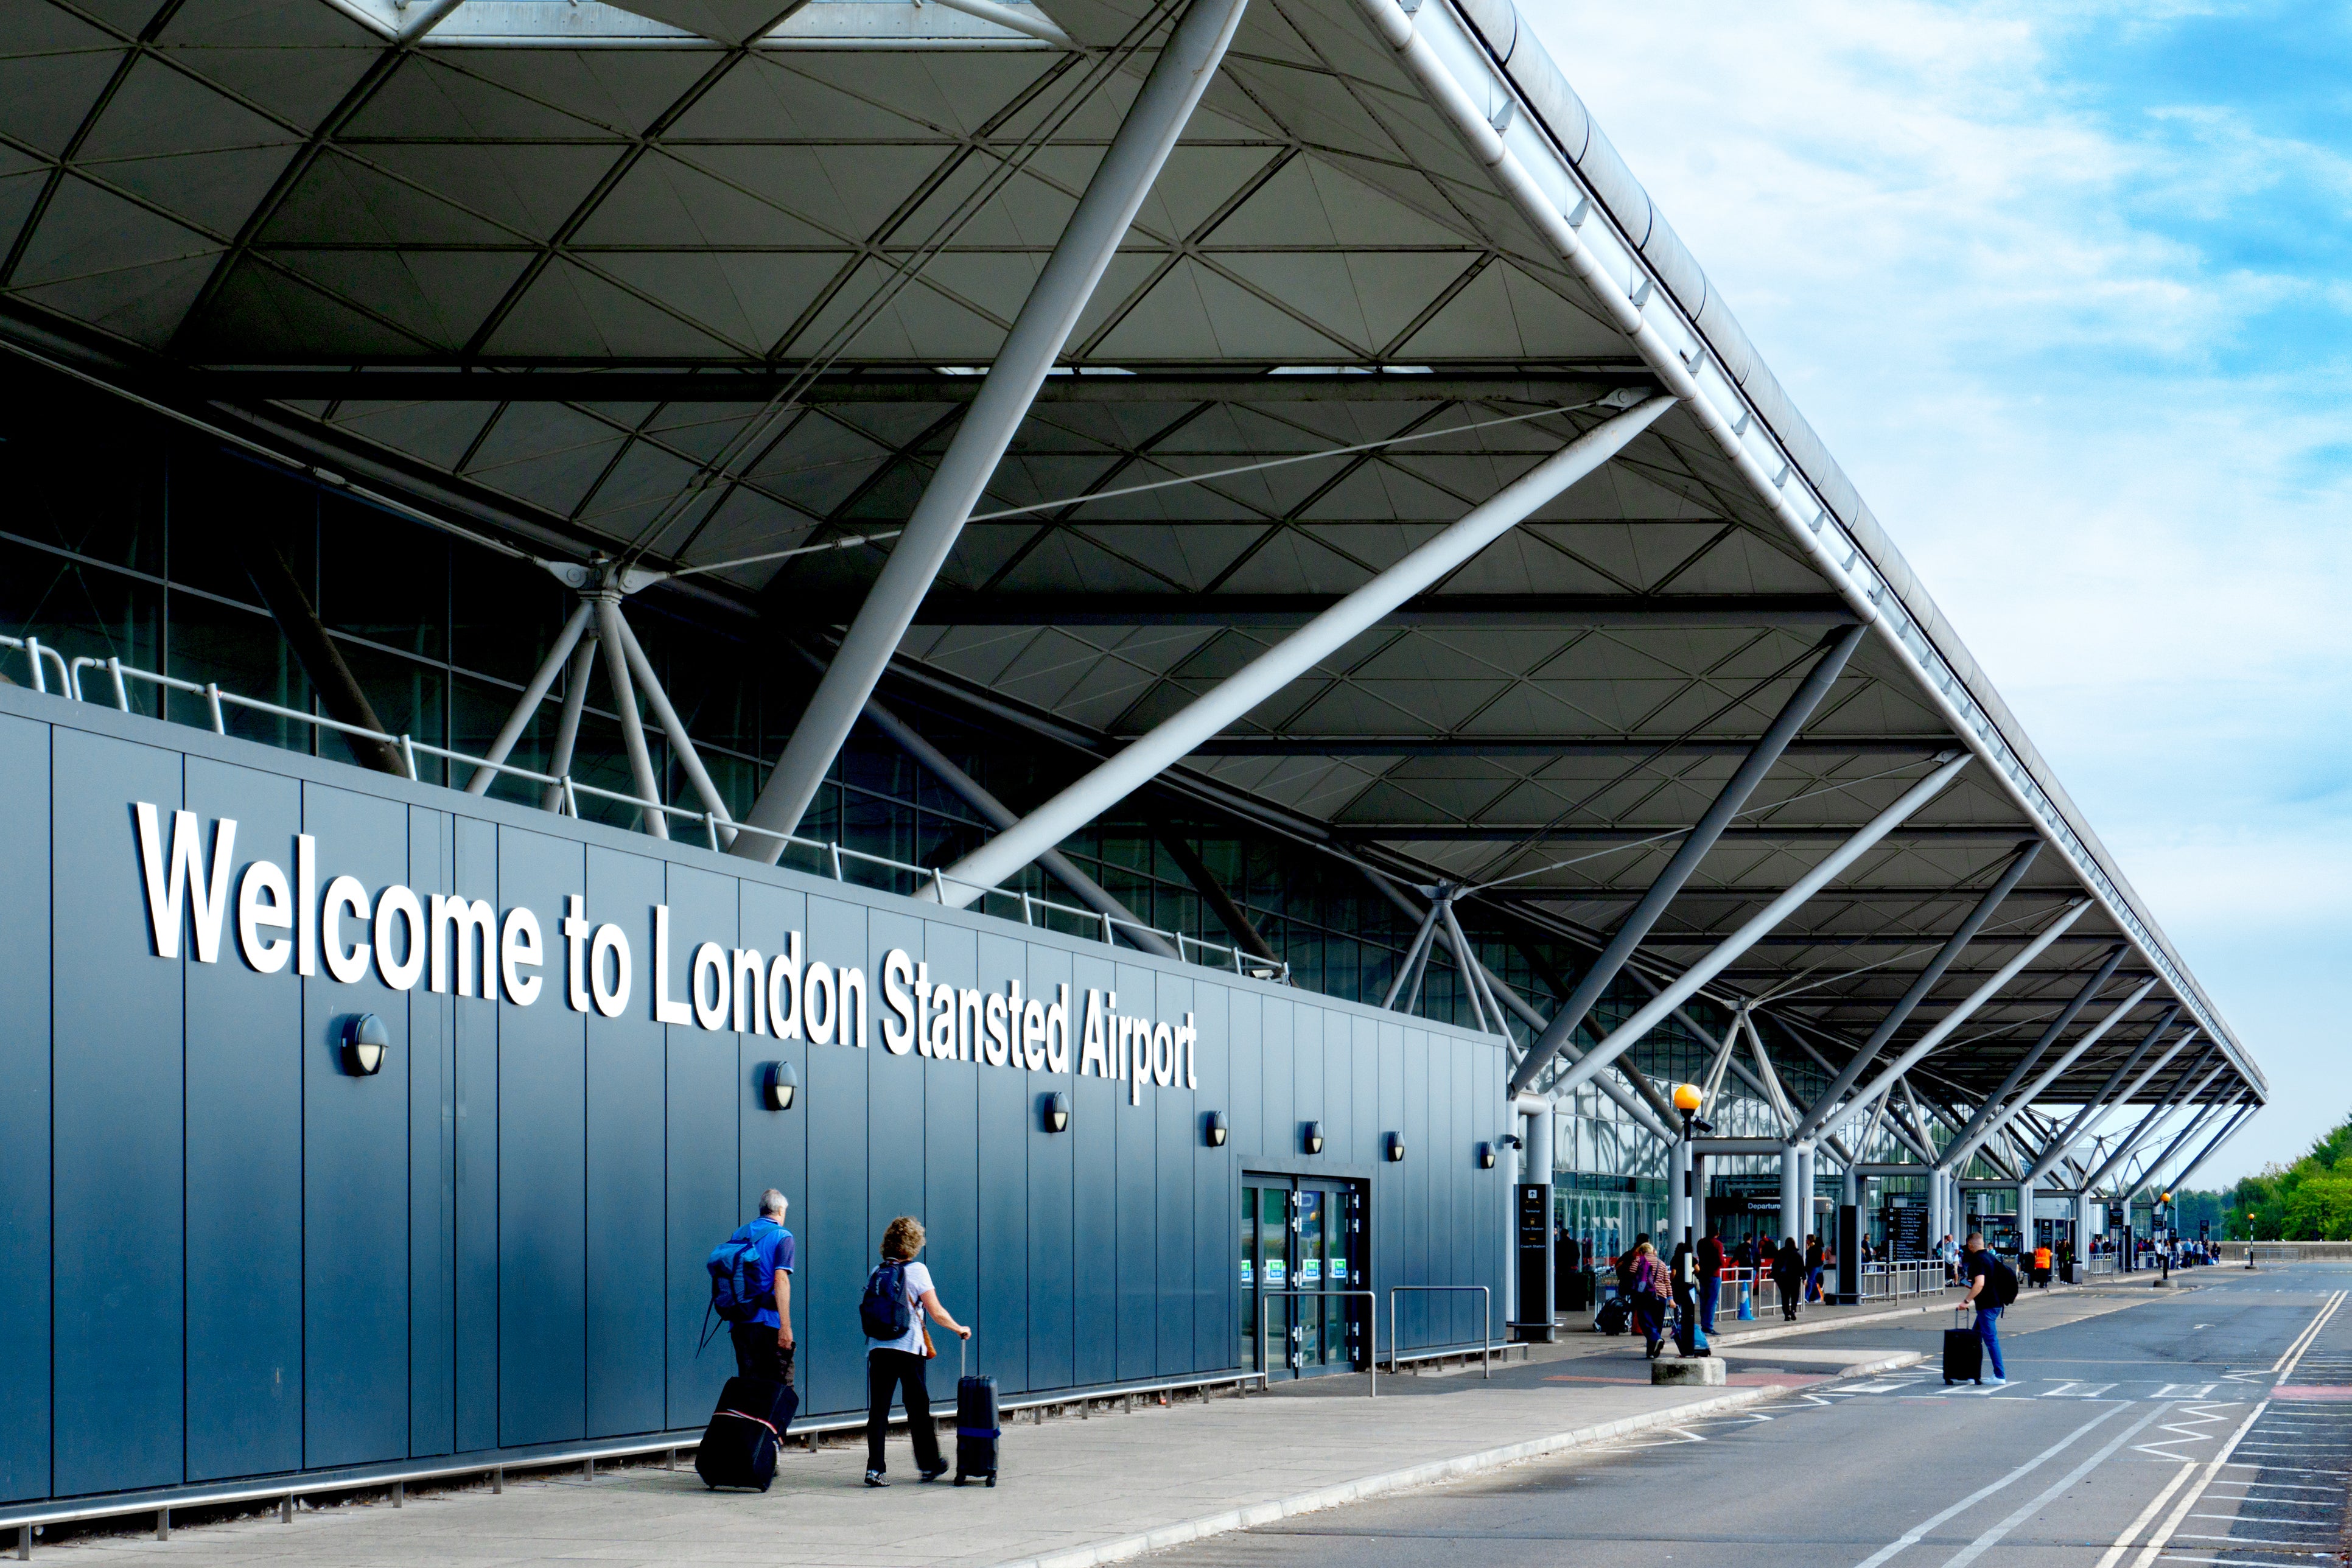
(1687, 1164)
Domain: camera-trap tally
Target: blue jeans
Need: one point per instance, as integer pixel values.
(1989, 1330)
(1707, 1289)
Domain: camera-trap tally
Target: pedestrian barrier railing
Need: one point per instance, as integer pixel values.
(2105, 1263)
(2277, 1253)
(1290, 1342)
(1895, 1282)
(565, 793)
(1485, 1316)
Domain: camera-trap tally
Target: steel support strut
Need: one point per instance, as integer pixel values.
(633, 729)
(2196, 1124)
(2100, 1103)
(1686, 985)
(1926, 982)
(528, 703)
(1150, 754)
(1727, 804)
(2147, 1124)
(1187, 64)
(2018, 1108)
(997, 815)
(2181, 1178)
(1944, 1026)
(1989, 1112)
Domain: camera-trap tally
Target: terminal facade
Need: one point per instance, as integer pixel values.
(1183, 640)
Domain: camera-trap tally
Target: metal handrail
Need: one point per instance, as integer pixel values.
(1485, 1316)
(717, 829)
(1372, 1327)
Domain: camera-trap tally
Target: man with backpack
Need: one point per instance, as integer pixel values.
(1993, 1285)
(757, 1266)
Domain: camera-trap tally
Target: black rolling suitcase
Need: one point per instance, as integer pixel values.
(738, 1447)
(1615, 1316)
(976, 1427)
(1963, 1353)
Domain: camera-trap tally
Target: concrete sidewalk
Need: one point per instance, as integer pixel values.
(1075, 1493)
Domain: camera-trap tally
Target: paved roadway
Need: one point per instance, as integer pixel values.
(2208, 1427)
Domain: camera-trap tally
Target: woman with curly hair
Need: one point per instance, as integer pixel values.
(895, 1365)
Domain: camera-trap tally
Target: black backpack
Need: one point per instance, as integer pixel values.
(2001, 1282)
(883, 1309)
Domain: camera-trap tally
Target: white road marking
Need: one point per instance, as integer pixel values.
(1985, 1542)
(1911, 1537)
(2185, 1391)
(2188, 1499)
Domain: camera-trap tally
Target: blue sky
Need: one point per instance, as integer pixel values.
(2070, 295)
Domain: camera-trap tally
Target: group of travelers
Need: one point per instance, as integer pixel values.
(894, 1365)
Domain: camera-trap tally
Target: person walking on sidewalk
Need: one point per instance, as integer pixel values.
(1650, 1292)
(1789, 1277)
(1710, 1278)
(898, 1349)
(1991, 1287)
(763, 1347)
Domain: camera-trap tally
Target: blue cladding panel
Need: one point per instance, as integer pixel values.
(842, 1232)
(1216, 1190)
(1313, 1104)
(25, 1115)
(117, 1067)
(1240, 1090)
(542, 1155)
(432, 1172)
(626, 1067)
(1278, 1136)
(1007, 1110)
(1389, 1197)
(1053, 1237)
(951, 1177)
(1139, 1201)
(703, 1148)
(774, 1143)
(244, 1167)
(475, 1029)
(1093, 1199)
(1177, 1142)
(354, 1144)
(1415, 1320)
(894, 1084)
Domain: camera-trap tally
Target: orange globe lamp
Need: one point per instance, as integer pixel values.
(1687, 1097)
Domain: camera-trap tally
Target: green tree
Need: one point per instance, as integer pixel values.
(2310, 1200)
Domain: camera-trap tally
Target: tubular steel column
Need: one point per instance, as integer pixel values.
(1187, 64)
(2181, 1179)
(681, 743)
(1727, 804)
(528, 703)
(567, 726)
(2016, 1108)
(1146, 757)
(1686, 985)
(632, 730)
(1792, 1207)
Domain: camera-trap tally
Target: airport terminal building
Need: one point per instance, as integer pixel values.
(1177, 636)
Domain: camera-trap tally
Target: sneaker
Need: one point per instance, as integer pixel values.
(876, 1478)
(932, 1474)
(1998, 1381)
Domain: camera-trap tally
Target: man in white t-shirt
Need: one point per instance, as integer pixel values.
(897, 1365)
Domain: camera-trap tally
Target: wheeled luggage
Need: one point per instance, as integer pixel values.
(976, 1428)
(1963, 1353)
(738, 1447)
(2066, 1272)
(1615, 1316)
(1690, 1340)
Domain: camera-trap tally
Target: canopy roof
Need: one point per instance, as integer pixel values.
(695, 281)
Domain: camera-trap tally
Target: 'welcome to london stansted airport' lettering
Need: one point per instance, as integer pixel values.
(471, 951)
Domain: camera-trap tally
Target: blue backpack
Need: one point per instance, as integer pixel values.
(735, 1272)
(883, 1309)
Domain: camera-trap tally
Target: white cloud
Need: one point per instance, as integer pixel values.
(2099, 436)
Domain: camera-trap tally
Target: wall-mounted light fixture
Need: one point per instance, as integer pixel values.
(366, 1042)
(1212, 1130)
(1310, 1137)
(779, 1085)
(1054, 1110)
(1486, 1156)
(1396, 1146)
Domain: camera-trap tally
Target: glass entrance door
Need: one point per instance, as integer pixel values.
(1302, 1233)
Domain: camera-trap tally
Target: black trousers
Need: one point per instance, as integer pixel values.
(890, 1372)
(757, 1353)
